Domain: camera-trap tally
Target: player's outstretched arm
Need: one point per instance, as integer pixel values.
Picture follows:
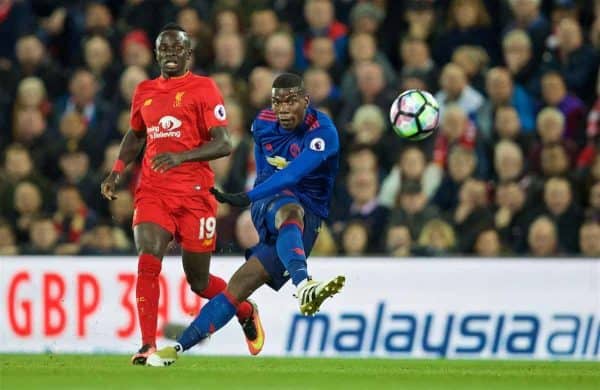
(130, 147)
(219, 146)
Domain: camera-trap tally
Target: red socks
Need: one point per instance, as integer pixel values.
(215, 286)
(147, 293)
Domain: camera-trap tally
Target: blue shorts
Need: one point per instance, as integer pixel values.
(263, 216)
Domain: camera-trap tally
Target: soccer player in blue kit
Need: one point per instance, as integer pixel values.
(297, 152)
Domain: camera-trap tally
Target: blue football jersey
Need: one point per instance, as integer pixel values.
(304, 160)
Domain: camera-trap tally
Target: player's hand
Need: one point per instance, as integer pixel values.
(240, 199)
(109, 186)
(164, 161)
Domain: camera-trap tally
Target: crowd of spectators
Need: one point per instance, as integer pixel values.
(514, 168)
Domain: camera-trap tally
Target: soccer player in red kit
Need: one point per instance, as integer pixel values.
(181, 118)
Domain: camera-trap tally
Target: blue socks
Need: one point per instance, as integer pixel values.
(290, 250)
(213, 316)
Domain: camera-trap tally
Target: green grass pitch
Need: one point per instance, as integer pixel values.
(193, 372)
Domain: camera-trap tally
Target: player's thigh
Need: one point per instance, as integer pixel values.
(197, 268)
(196, 224)
(249, 277)
(153, 225)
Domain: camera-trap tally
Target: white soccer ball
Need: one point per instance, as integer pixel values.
(415, 114)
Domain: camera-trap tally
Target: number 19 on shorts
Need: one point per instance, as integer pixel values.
(207, 228)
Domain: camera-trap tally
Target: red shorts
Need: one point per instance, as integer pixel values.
(191, 220)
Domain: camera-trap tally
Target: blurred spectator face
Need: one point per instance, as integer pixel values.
(413, 203)
(473, 192)
(98, 54)
(412, 164)
(362, 186)
(83, 88)
(31, 92)
(454, 123)
(263, 23)
(368, 125)
(487, 244)
(137, 53)
(414, 53)
(43, 235)
(472, 59)
(29, 51)
(229, 50)
(465, 13)
(27, 198)
(97, 18)
(557, 196)
(461, 164)
(74, 166)
(72, 126)
(279, 52)
(354, 239)
(553, 89)
(318, 84)
(499, 86)
(245, 232)
(507, 122)
(227, 22)
(321, 52)
(550, 125)
(319, 14)
(511, 196)
(554, 160)
(437, 235)
(364, 159)
(525, 9)
(453, 80)
(362, 47)
(261, 79)
(68, 201)
(542, 237)
(569, 35)
(17, 163)
(398, 241)
(413, 83)
(29, 125)
(190, 21)
(517, 50)
(589, 239)
(130, 78)
(225, 83)
(508, 161)
(420, 20)
(103, 240)
(595, 168)
(121, 209)
(7, 237)
(370, 79)
(594, 198)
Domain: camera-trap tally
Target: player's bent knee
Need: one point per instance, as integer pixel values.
(289, 213)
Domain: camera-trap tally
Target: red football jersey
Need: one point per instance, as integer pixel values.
(177, 114)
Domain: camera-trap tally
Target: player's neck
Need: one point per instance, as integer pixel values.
(167, 77)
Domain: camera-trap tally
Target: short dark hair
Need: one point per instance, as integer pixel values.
(288, 80)
(172, 27)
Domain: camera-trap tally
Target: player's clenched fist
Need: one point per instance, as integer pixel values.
(240, 199)
(164, 161)
(109, 185)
